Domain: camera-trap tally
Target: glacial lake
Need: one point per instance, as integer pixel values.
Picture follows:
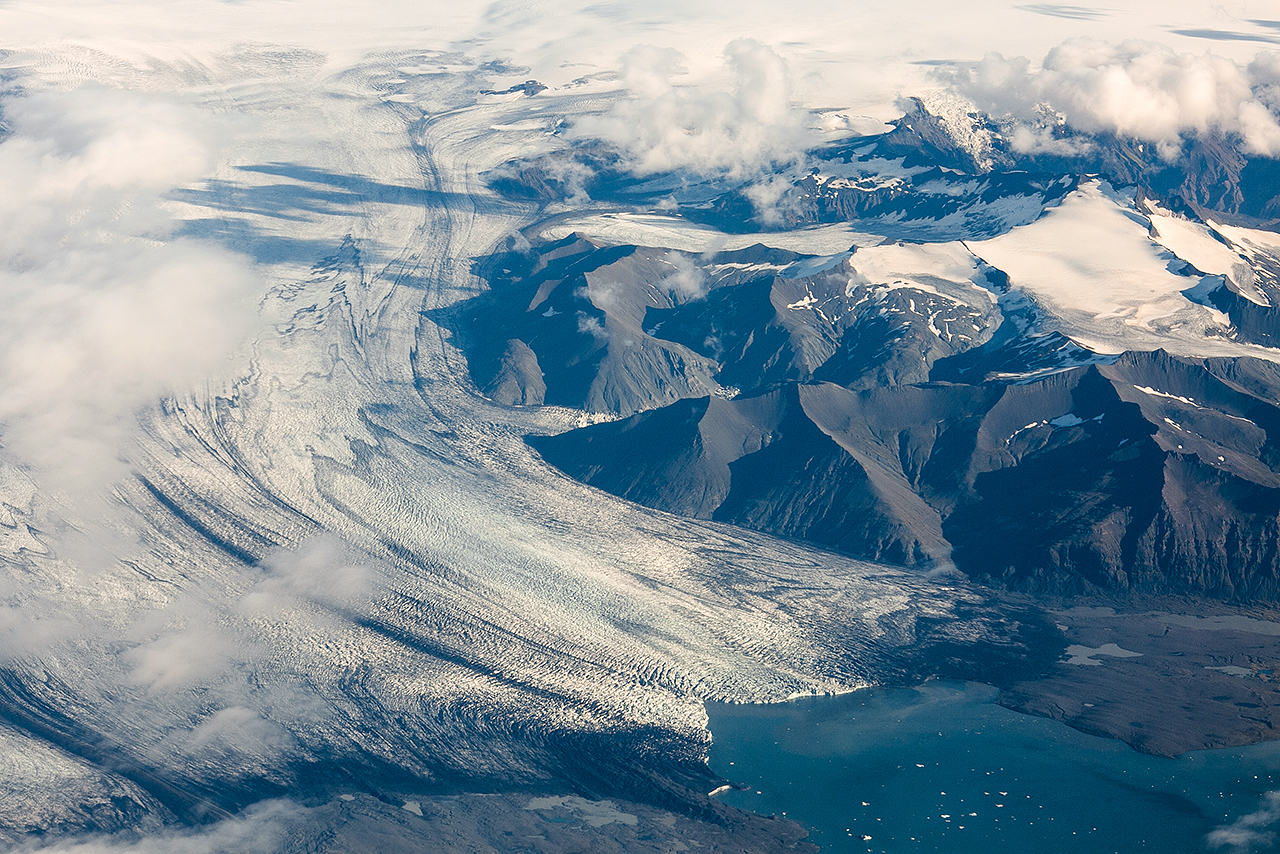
(943, 768)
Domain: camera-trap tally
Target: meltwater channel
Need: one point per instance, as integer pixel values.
(941, 767)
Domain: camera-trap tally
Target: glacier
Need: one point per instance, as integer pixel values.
(337, 567)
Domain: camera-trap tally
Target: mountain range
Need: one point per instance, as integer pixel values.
(911, 402)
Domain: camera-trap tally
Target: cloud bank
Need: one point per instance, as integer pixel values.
(1136, 89)
(104, 309)
(662, 126)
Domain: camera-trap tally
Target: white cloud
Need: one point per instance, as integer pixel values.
(24, 631)
(1040, 140)
(1265, 72)
(322, 569)
(261, 830)
(593, 327)
(688, 282)
(1249, 832)
(663, 126)
(239, 730)
(182, 646)
(104, 309)
(1136, 89)
(769, 196)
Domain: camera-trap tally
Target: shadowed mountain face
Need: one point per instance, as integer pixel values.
(932, 419)
(1084, 480)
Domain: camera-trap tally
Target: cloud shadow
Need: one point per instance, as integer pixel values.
(307, 193)
(1073, 13)
(1227, 36)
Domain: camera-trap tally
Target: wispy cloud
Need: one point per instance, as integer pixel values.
(261, 830)
(1250, 832)
(1071, 13)
(662, 126)
(191, 642)
(322, 570)
(688, 281)
(1226, 35)
(104, 309)
(219, 649)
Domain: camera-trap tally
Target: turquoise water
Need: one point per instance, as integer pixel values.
(942, 768)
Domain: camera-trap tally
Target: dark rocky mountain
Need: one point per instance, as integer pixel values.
(1152, 473)
(933, 419)
(933, 204)
(567, 325)
(1211, 174)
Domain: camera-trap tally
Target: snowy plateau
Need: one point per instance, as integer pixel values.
(402, 445)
